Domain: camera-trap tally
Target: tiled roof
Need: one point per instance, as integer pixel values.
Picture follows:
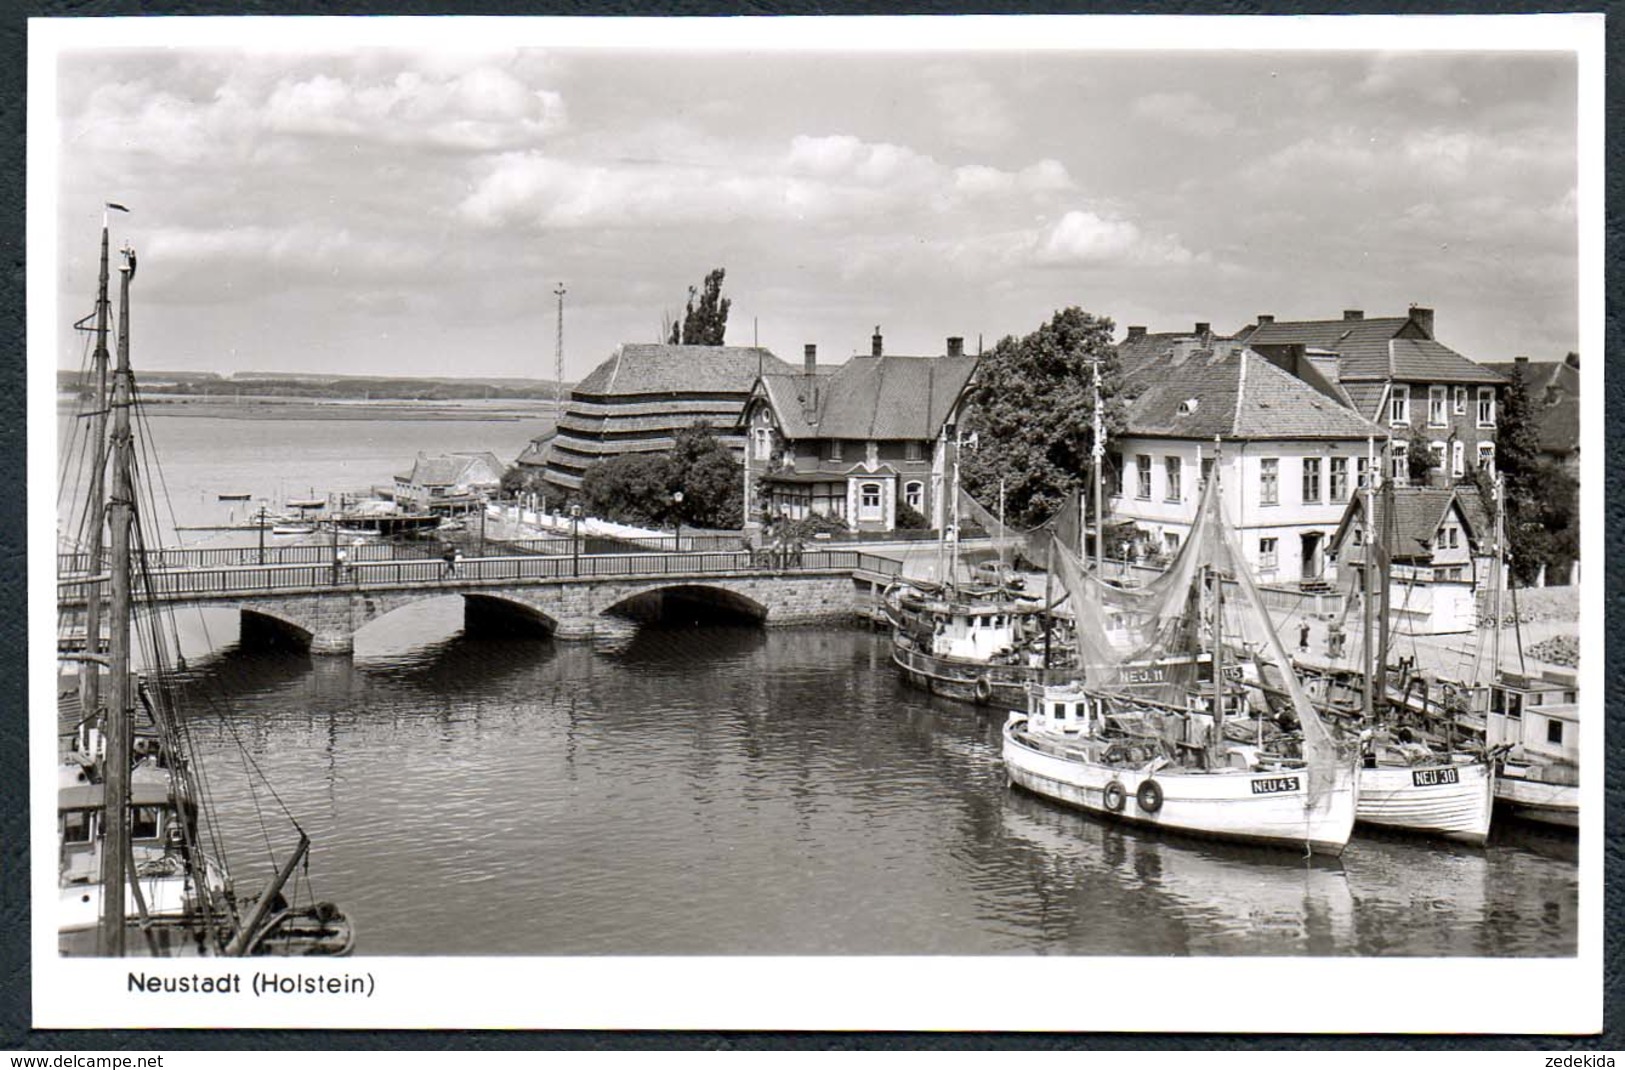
(1554, 391)
(1418, 512)
(880, 398)
(892, 397)
(666, 369)
(1418, 360)
(1136, 352)
(1207, 393)
(1367, 397)
(1364, 350)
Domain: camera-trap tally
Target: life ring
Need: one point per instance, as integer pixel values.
(1149, 796)
(1115, 796)
(984, 689)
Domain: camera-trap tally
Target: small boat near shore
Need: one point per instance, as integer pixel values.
(234, 497)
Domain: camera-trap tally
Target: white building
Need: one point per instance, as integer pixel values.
(1291, 454)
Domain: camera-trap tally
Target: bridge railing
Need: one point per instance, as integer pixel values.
(254, 579)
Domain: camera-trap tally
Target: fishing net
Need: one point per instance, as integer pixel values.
(1032, 543)
(1145, 640)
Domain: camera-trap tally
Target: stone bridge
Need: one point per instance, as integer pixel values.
(322, 607)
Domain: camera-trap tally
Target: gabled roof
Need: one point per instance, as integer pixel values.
(637, 368)
(448, 470)
(881, 398)
(1418, 514)
(1137, 351)
(1380, 347)
(1554, 391)
(1236, 395)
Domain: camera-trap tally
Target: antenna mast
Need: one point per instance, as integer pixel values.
(558, 358)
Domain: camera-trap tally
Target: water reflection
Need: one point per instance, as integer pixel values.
(735, 790)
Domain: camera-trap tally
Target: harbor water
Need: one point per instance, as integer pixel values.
(710, 787)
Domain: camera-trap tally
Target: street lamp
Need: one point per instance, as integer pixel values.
(677, 507)
(575, 538)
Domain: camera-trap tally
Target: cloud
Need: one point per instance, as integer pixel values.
(479, 110)
(824, 178)
(970, 111)
(1083, 237)
(1186, 113)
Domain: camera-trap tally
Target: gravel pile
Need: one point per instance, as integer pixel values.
(1559, 650)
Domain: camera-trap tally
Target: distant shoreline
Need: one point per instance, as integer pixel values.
(298, 409)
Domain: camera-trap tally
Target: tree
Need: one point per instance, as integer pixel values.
(1033, 415)
(1542, 517)
(1419, 461)
(706, 324)
(642, 488)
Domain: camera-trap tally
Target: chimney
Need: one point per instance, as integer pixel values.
(1264, 319)
(809, 359)
(875, 347)
(1423, 318)
(1353, 314)
(956, 347)
(1204, 329)
(1135, 334)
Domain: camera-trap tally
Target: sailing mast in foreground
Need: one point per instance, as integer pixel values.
(133, 861)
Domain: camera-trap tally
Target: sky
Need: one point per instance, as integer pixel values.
(410, 209)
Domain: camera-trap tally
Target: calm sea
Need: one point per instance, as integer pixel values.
(723, 789)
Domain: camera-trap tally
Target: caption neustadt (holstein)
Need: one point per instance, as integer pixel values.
(259, 983)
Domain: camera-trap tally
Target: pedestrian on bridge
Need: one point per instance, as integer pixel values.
(449, 556)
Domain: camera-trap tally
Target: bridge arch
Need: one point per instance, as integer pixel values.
(264, 625)
(686, 602)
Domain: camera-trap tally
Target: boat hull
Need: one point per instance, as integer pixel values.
(1534, 800)
(1000, 686)
(1451, 801)
(1271, 809)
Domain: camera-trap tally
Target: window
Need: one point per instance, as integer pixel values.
(869, 501)
(1362, 472)
(834, 449)
(1461, 401)
(1448, 537)
(1311, 479)
(1114, 472)
(1486, 406)
(1438, 399)
(1171, 467)
(1268, 554)
(1269, 481)
(1340, 479)
(1486, 457)
(1399, 462)
(1170, 542)
(1554, 731)
(76, 826)
(1143, 463)
(761, 440)
(911, 450)
(1458, 454)
(1399, 405)
(914, 496)
(1438, 451)
(1358, 535)
(143, 822)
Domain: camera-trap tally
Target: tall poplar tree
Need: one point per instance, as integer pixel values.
(704, 324)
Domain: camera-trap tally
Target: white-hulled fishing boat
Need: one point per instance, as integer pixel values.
(1146, 739)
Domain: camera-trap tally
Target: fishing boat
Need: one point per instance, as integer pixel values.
(141, 870)
(292, 529)
(1417, 773)
(235, 497)
(1534, 723)
(1149, 735)
(303, 504)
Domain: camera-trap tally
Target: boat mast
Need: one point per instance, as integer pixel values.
(1384, 602)
(121, 697)
(1049, 590)
(1098, 452)
(1369, 524)
(1215, 737)
(90, 683)
(1500, 576)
